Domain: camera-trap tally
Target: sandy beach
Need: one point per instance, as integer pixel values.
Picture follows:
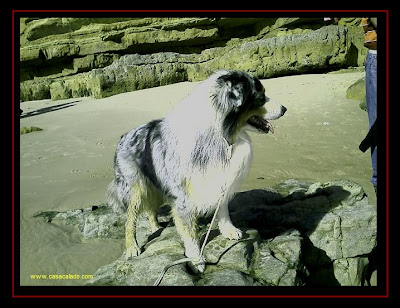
(68, 164)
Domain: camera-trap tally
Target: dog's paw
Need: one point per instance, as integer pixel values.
(197, 266)
(231, 232)
(132, 251)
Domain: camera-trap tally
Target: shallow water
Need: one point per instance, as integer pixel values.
(68, 165)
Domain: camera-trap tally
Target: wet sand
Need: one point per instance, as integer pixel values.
(68, 164)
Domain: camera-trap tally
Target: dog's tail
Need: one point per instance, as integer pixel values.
(118, 194)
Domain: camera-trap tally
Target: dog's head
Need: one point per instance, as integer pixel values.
(240, 99)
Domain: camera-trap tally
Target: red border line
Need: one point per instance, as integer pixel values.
(387, 153)
(13, 154)
(199, 296)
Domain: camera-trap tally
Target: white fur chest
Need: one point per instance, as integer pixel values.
(219, 183)
(239, 163)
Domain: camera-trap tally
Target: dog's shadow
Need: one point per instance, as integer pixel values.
(270, 212)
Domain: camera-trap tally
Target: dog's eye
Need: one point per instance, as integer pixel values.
(260, 100)
(259, 103)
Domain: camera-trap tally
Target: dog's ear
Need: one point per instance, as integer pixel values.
(235, 93)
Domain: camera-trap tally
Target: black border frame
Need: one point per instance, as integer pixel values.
(380, 291)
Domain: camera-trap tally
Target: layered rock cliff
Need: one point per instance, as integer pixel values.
(74, 57)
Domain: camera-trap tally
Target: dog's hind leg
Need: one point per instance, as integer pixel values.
(151, 205)
(134, 206)
(154, 225)
(143, 197)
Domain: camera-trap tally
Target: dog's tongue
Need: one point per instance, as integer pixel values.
(261, 124)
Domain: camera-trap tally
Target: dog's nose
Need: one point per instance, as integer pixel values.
(284, 109)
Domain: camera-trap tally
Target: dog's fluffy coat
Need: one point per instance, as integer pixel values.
(194, 159)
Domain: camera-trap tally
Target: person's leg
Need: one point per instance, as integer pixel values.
(371, 99)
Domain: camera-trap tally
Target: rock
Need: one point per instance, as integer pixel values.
(363, 104)
(336, 236)
(334, 219)
(349, 271)
(232, 254)
(291, 187)
(74, 57)
(357, 92)
(36, 89)
(277, 261)
(101, 222)
(95, 221)
(29, 129)
(134, 72)
(143, 272)
(294, 234)
(322, 49)
(226, 277)
(144, 269)
(286, 247)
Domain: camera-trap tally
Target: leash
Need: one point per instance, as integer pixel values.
(184, 260)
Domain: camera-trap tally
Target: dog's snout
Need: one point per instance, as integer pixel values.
(283, 110)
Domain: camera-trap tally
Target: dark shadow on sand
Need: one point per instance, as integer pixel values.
(48, 109)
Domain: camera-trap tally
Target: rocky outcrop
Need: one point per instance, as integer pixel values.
(357, 92)
(295, 234)
(74, 57)
(29, 129)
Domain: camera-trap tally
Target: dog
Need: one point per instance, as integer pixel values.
(194, 159)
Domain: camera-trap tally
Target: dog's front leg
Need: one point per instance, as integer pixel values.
(186, 225)
(225, 225)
